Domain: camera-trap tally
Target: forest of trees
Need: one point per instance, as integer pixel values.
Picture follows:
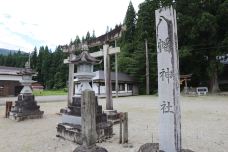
(202, 36)
(51, 72)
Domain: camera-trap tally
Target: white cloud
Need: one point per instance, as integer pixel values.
(56, 22)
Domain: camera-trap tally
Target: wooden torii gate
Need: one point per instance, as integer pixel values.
(105, 52)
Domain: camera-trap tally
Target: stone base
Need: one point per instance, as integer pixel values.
(25, 108)
(92, 149)
(21, 116)
(154, 147)
(63, 110)
(113, 116)
(72, 132)
(69, 132)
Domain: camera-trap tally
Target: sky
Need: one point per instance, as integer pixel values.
(25, 24)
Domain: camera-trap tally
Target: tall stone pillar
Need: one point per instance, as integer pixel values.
(168, 80)
(88, 114)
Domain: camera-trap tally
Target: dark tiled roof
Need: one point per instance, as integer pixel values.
(121, 76)
(4, 70)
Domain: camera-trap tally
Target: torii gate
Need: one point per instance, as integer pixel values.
(105, 52)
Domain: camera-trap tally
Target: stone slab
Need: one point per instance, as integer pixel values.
(92, 149)
(71, 119)
(154, 147)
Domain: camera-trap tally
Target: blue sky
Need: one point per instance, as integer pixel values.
(25, 24)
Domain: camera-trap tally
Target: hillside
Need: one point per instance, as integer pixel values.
(6, 51)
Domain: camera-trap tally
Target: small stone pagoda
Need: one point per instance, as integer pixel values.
(70, 128)
(26, 107)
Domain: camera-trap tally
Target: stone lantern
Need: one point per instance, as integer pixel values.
(26, 81)
(26, 106)
(70, 128)
(84, 73)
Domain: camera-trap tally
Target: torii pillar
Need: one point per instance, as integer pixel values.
(106, 52)
(70, 50)
(107, 75)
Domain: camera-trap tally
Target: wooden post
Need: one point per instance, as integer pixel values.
(116, 72)
(121, 128)
(147, 70)
(168, 80)
(125, 127)
(88, 114)
(107, 74)
(8, 108)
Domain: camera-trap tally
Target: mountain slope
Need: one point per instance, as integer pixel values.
(7, 51)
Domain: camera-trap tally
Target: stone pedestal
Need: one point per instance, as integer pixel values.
(112, 115)
(154, 147)
(89, 127)
(25, 108)
(70, 128)
(93, 149)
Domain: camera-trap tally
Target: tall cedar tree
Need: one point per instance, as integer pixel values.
(203, 35)
(126, 61)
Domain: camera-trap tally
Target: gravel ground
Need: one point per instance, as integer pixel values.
(38, 99)
(204, 126)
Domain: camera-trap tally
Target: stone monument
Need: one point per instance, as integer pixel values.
(168, 80)
(168, 83)
(26, 106)
(89, 134)
(70, 128)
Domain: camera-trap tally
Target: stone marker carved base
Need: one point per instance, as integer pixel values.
(25, 108)
(72, 130)
(154, 147)
(92, 149)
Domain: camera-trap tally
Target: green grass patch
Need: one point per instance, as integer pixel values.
(49, 92)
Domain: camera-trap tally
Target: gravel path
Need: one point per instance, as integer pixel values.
(204, 126)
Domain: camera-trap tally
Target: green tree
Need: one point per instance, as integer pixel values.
(34, 59)
(202, 35)
(126, 43)
(129, 22)
(88, 37)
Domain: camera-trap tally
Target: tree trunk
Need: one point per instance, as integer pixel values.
(214, 86)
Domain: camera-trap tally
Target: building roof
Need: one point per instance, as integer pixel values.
(185, 76)
(5, 70)
(121, 76)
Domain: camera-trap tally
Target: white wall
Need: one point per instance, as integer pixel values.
(95, 87)
(11, 77)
